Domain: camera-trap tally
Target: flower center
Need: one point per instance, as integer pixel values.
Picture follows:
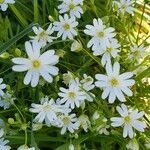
(36, 64)
(2, 1)
(136, 53)
(114, 82)
(71, 95)
(88, 79)
(127, 119)
(101, 34)
(42, 34)
(109, 49)
(66, 120)
(66, 26)
(71, 6)
(47, 108)
(124, 6)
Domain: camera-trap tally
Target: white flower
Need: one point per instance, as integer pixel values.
(3, 142)
(4, 4)
(47, 111)
(36, 65)
(100, 34)
(68, 77)
(84, 122)
(137, 52)
(126, 6)
(2, 86)
(71, 147)
(71, 97)
(133, 145)
(7, 100)
(87, 82)
(72, 6)
(25, 147)
(76, 46)
(95, 115)
(102, 128)
(115, 84)
(147, 143)
(68, 122)
(43, 36)
(129, 119)
(111, 50)
(66, 27)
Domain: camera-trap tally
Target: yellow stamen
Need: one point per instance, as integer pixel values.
(36, 64)
(101, 34)
(71, 6)
(127, 119)
(71, 95)
(114, 82)
(66, 26)
(66, 120)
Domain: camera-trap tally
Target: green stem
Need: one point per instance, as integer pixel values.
(141, 22)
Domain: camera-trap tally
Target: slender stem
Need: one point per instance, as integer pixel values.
(141, 22)
(20, 112)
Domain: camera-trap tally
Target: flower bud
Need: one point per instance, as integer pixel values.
(11, 121)
(5, 55)
(18, 52)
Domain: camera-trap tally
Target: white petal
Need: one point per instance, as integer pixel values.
(21, 61)
(116, 68)
(138, 125)
(29, 49)
(20, 68)
(105, 93)
(28, 77)
(119, 94)
(35, 79)
(111, 97)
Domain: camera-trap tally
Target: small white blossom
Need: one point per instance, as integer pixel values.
(100, 34)
(133, 145)
(124, 6)
(66, 27)
(115, 84)
(3, 142)
(76, 46)
(87, 82)
(36, 64)
(25, 147)
(72, 96)
(102, 128)
(71, 147)
(72, 6)
(147, 143)
(2, 86)
(137, 53)
(68, 77)
(111, 50)
(68, 122)
(129, 119)
(47, 111)
(84, 122)
(7, 100)
(4, 4)
(43, 36)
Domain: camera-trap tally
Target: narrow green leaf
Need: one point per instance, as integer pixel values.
(145, 73)
(13, 40)
(19, 16)
(36, 11)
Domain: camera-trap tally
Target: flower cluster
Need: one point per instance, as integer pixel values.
(80, 97)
